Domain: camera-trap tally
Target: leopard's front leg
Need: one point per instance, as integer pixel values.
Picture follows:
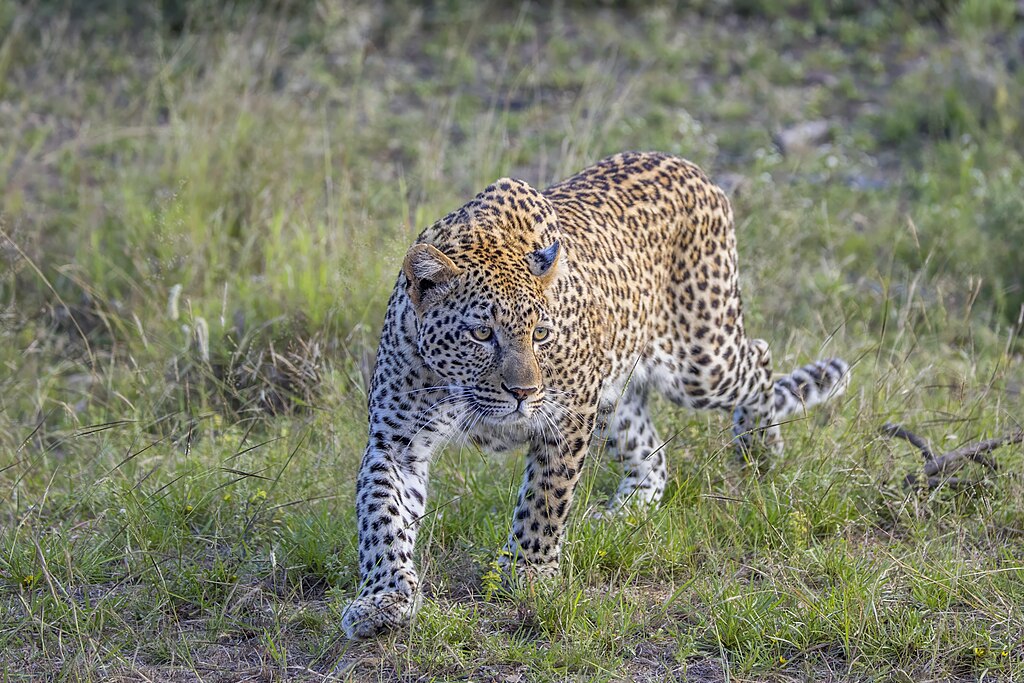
(553, 466)
(409, 420)
(390, 499)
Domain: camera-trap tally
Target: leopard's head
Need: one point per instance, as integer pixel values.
(482, 299)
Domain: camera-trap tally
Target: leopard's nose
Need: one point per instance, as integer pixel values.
(521, 393)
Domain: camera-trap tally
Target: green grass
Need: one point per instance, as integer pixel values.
(203, 210)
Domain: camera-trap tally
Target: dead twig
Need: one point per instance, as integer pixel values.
(973, 452)
(898, 432)
(937, 468)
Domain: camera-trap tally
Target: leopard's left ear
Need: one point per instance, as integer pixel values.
(544, 262)
(429, 274)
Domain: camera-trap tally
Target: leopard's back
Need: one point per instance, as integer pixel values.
(651, 237)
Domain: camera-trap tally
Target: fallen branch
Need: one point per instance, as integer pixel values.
(947, 463)
(898, 432)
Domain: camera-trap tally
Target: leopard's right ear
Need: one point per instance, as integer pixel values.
(429, 273)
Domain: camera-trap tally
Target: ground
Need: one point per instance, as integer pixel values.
(202, 211)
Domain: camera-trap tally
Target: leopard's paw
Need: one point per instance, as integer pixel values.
(517, 572)
(628, 512)
(370, 615)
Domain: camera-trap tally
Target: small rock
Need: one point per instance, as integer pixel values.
(732, 183)
(823, 78)
(866, 183)
(803, 136)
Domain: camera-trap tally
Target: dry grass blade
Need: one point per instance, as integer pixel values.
(277, 382)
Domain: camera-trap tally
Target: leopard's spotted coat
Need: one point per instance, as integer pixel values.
(540, 317)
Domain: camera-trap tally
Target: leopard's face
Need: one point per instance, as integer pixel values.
(484, 327)
(487, 340)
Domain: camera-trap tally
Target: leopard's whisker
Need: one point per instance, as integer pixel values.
(450, 387)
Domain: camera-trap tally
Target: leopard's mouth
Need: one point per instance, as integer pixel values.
(505, 413)
(510, 418)
(493, 408)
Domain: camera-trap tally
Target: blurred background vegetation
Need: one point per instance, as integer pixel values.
(203, 207)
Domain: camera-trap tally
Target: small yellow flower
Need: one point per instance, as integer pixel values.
(491, 581)
(28, 581)
(979, 651)
(1004, 653)
(226, 498)
(189, 509)
(258, 497)
(782, 660)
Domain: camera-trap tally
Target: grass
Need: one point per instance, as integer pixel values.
(202, 212)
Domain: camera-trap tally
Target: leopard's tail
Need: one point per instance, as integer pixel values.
(810, 385)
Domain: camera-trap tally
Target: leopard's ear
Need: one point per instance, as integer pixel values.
(544, 262)
(429, 273)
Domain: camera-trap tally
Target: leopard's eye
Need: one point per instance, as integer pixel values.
(481, 333)
(541, 334)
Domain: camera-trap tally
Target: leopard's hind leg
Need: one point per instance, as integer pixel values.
(701, 357)
(734, 376)
(791, 394)
(633, 440)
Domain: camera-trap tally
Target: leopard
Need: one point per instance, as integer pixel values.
(548, 319)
